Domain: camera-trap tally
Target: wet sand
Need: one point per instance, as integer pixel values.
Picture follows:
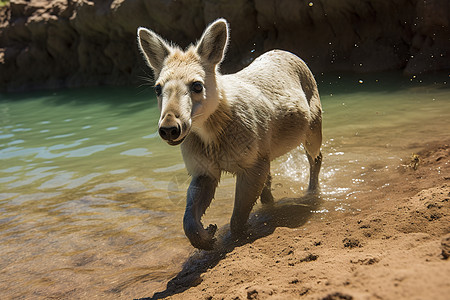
(395, 246)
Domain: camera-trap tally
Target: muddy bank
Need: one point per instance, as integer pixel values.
(395, 246)
(69, 43)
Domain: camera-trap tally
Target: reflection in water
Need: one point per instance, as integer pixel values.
(92, 201)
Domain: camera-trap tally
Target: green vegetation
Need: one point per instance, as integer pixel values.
(4, 3)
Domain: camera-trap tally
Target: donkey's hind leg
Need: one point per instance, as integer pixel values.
(266, 194)
(314, 169)
(312, 147)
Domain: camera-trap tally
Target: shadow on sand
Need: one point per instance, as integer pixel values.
(287, 212)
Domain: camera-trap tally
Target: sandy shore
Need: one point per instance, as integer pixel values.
(395, 247)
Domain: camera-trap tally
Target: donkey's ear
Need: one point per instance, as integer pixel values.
(154, 48)
(213, 43)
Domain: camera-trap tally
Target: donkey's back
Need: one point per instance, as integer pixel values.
(282, 94)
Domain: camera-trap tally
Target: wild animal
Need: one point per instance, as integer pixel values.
(235, 123)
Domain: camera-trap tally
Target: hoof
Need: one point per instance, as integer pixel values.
(203, 238)
(212, 228)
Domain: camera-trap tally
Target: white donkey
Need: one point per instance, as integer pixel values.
(234, 123)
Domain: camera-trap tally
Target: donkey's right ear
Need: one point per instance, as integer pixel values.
(154, 48)
(213, 43)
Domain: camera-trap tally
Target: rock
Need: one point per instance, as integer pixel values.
(430, 49)
(70, 43)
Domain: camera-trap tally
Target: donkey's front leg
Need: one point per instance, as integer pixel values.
(200, 193)
(249, 184)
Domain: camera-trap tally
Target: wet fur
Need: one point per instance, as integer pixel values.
(238, 124)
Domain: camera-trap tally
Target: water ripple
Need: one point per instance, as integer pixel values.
(90, 150)
(137, 152)
(60, 136)
(21, 199)
(6, 136)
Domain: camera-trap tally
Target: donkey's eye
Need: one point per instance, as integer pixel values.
(197, 87)
(158, 90)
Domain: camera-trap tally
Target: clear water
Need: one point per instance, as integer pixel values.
(91, 199)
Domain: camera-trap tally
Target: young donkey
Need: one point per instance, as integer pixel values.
(233, 123)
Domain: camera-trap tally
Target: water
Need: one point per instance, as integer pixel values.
(92, 200)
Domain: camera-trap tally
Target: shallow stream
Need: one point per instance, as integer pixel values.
(91, 199)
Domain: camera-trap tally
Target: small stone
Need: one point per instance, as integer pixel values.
(351, 243)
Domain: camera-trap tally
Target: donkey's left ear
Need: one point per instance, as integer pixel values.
(213, 43)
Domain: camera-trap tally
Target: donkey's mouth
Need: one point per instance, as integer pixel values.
(175, 143)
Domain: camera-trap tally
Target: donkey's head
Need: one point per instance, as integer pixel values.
(185, 80)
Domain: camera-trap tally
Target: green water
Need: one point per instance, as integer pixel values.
(92, 200)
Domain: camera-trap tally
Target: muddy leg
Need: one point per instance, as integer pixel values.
(314, 169)
(266, 195)
(249, 185)
(200, 193)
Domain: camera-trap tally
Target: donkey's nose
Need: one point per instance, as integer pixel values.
(169, 133)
